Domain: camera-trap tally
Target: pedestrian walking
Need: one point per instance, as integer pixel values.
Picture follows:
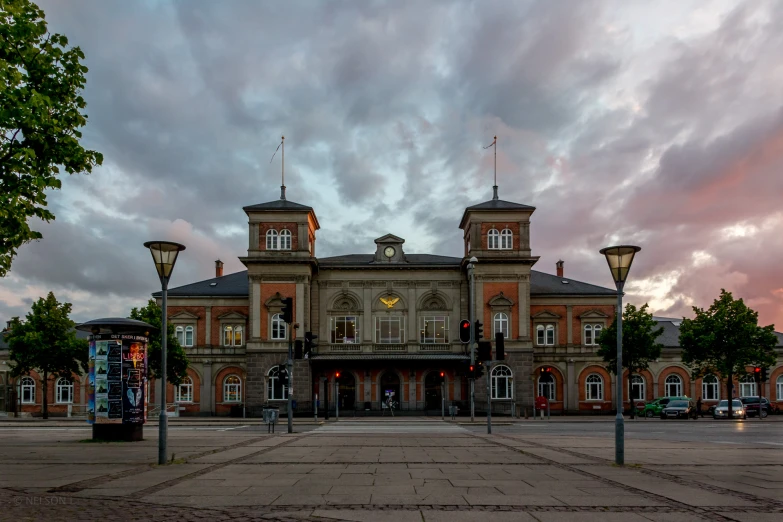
(698, 408)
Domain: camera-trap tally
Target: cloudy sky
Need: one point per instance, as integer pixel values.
(658, 124)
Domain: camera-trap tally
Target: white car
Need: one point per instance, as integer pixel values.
(737, 410)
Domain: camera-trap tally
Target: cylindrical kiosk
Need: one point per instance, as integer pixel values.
(117, 383)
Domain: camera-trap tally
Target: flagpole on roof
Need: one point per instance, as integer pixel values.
(495, 186)
(282, 186)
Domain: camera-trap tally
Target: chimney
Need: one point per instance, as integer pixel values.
(218, 268)
(559, 266)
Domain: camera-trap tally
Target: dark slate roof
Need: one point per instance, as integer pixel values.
(548, 284)
(391, 356)
(670, 337)
(367, 260)
(499, 204)
(231, 285)
(4, 344)
(280, 204)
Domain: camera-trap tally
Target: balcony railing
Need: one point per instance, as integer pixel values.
(389, 347)
(346, 347)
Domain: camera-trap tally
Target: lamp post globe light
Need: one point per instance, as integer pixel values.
(164, 254)
(619, 258)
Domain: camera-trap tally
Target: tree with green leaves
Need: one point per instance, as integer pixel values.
(176, 359)
(41, 112)
(640, 343)
(725, 339)
(46, 342)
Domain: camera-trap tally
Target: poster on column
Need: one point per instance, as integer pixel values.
(118, 371)
(134, 372)
(91, 383)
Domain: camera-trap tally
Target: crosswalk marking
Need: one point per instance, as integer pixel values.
(384, 428)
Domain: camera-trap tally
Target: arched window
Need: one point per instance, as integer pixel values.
(594, 388)
(673, 386)
(500, 324)
(238, 335)
(637, 391)
(285, 240)
(710, 388)
(502, 382)
(545, 335)
(278, 327)
(185, 390)
(188, 336)
(27, 390)
(64, 391)
(271, 239)
(747, 386)
(275, 390)
(592, 332)
(180, 332)
(493, 239)
(779, 388)
(546, 386)
(228, 335)
(506, 239)
(232, 389)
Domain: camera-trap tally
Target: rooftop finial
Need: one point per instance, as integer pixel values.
(494, 192)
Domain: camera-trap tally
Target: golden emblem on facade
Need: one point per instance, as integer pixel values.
(390, 301)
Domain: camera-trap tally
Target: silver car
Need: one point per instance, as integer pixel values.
(737, 410)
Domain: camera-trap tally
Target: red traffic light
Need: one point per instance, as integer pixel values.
(757, 369)
(337, 375)
(464, 331)
(442, 374)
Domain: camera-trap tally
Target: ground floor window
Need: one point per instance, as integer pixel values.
(637, 391)
(276, 390)
(747, 386)
(64, 391)
(594, 388)
(546, 386)
(673, 386)
(502, 382)
(710, 388)
(27, 390)
(779, 388)
(185, 390)
(232, 389)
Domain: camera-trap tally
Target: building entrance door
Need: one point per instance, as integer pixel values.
(390, 391)
(432, 391)
(347, 391)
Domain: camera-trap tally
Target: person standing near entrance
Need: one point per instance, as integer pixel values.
(698, 408)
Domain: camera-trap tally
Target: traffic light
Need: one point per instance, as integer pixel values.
(763, 375)
(472, 371)
(484, 351)
(337, 377)
(757, 373)
(282, 374)
(298, 349)
(288, 310)
(544, 370)
(500, 346)
(479, 371)
(309, 343)
(464, 331)
(479, 333)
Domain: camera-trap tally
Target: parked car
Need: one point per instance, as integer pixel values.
(752, 406)
(654, 408)
(680, 409)
(737, 410)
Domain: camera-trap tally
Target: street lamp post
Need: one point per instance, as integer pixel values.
(164, 254)
(472, 319)
(619, 259)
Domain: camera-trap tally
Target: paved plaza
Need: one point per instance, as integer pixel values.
(395, 470)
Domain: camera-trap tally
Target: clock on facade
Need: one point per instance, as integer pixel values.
(389, 251)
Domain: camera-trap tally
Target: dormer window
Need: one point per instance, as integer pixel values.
(506, 239)
(271, 239)
(493, 239)
(285, 240)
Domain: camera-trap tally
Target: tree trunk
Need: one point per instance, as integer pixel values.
(45, 390)
(729, 395)
(630, 396)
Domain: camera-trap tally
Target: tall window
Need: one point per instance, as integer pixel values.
(594, 388)
(27, 390)
(545, 335)
(64, 391)
(271, 239)
(389, 329)
(493, 239)
(779, 388)
(506, 239)
(502, 382)
(233, 335)
(637, 391)
(345, 330)
(185, 335)
(180, 332)
(276, 391)
(546, 386)
(747, 386)
(500, 324)
(185, 390)
(285, 240)
(434, 330)
(710, 388)
(232, 389)
(592, 332)
(279, 328)
(673, 386)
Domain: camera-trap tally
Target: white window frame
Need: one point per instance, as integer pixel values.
(639, 383)
(189, 336)
(278, 329)
(27, 384)
(272, 239)
(180, 334)
(747, 386)
(547, 388)
(284, 240)
(493, 239)
(592, 332)
(273, 376)
(502, 380)
(779, 388)
(500, 323)
(710, 388)
(232, 389)
(506, 239)
(63, 389)
(545, 335)
(345, 319)
(594, 387)
(435, 322)
(673, 383)
(379, 322)
(185, 390)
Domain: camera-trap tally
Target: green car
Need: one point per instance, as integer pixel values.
(653, 408)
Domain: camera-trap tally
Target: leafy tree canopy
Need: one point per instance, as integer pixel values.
(176, 360)
(40, 118)
(640, 340)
